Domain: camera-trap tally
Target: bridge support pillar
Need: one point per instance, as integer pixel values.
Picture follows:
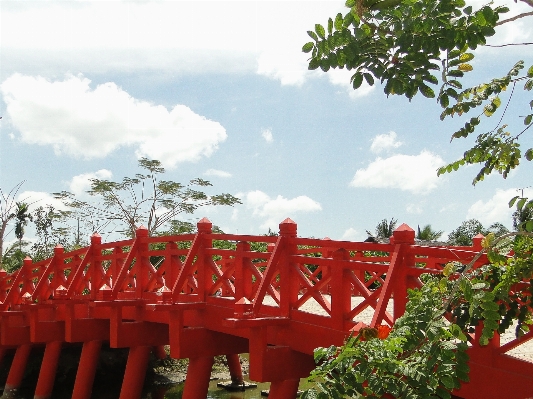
(83, 385)
(287, 389)
(198, 375)
(235, 370)
(133, 381)
(47, 374)
(16, 372)
(159, 351)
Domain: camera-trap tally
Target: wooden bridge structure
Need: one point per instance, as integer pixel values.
(206, 295)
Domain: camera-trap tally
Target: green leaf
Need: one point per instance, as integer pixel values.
(313, 35)
(339, 22)
(314, 64)
(513, 200)
(330, 26)
(530, 72)
(307, 47)
(320, 31)
(520, 203)
(350, 3)
(369, 79)
(426, 90)
(357, 80)
(529, 154)
(527, 119)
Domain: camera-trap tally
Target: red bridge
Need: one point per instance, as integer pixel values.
(203, 301)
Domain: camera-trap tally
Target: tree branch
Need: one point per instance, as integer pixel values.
(510, 44)
(525, 14)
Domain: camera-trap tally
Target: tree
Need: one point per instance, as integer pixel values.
(142, 200)
(463, 234)
(22, 216)
(384, 229)
(8, 212)
(428, 234)
(409, 45)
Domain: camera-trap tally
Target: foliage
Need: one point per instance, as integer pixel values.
(428, 234)
(14, 256)
(384, 229)
(424, 356)
(463, 234)
(49, 228)
(143, 199)
(10, 209)
(410, 46)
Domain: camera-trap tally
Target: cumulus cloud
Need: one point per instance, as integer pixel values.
(217, 173)
(267, 135)
(81, 183)
(414, 173)
(496, 209)
(275, 210)
(341, 78)
(83, 122)
(414, 208)
(384, 142)
(352, 234)
(36, 199)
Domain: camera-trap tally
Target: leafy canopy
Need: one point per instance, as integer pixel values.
(426, 47)
(144, 199)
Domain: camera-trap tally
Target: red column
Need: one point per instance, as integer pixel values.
(235, 370)
(197, 380)
(16, 372)
(83, 385)
(47, 374)
(287, 389)
(159, 352)
(135, 372)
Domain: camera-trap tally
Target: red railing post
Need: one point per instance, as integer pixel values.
(405, 237)
(95, 271)
(243, 273)
(143, 260)
(476, 242)
(204, 280)
(341, 292)
(289, 284)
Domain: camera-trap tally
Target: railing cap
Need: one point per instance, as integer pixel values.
(404, 235)
(288, 227)
(204, 225)
(142, 231)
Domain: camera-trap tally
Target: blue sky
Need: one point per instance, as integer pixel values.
(220, 90)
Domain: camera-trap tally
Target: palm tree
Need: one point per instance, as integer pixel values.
(22, 216)
(384, 229)
(428, 234)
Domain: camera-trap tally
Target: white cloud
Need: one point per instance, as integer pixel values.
(267, 135)
(384, 142)
(81, 183)
(274, 211)
(414, 208)
(83, 122)
(496, 209)
(341, 77)
(35, 199)
(414, 173)
(352, 234)
(217, 173)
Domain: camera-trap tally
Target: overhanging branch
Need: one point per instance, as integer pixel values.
(525, 14)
